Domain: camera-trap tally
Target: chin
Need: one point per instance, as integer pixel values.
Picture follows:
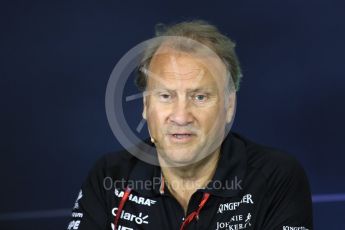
(180, 157)
(177, 157)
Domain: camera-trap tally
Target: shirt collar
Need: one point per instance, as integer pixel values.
(226, 182)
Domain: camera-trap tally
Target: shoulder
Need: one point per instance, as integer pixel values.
(116, 165)
(274, 164)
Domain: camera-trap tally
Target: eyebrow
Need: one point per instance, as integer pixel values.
(199, 89)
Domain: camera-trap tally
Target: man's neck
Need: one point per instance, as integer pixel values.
(185, 180)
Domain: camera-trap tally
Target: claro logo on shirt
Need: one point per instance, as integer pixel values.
(136, 199)
(138, 219)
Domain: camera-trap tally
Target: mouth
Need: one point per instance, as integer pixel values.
(181, 137)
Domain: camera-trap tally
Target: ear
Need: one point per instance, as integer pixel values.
(144, 106)
(230, 106)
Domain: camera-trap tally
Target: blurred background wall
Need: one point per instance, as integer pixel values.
(56, 58)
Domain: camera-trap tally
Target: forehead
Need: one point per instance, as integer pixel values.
(170, 65)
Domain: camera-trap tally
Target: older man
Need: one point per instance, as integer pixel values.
(206, 176)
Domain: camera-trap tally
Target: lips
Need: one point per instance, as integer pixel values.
(181, 133)
(181, 137)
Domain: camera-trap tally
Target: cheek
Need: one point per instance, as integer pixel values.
(213, 117)
(155, 117)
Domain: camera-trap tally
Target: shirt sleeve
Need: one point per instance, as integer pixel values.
(289, 199)
(89, 211)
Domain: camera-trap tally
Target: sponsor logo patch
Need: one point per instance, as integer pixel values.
(136, 199)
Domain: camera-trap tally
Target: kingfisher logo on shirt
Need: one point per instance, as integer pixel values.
(136, 199)
(246, 199)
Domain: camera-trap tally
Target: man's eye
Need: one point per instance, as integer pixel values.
(200, 97)
(164, 96)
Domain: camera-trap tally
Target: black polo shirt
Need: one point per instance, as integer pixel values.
(254, 187)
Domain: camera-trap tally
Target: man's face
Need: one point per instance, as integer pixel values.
(185, 105)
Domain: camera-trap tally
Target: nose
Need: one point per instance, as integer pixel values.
(181, 114)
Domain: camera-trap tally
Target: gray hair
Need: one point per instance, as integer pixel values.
(200, 32)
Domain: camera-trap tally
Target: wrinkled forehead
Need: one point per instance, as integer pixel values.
(171, 63)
